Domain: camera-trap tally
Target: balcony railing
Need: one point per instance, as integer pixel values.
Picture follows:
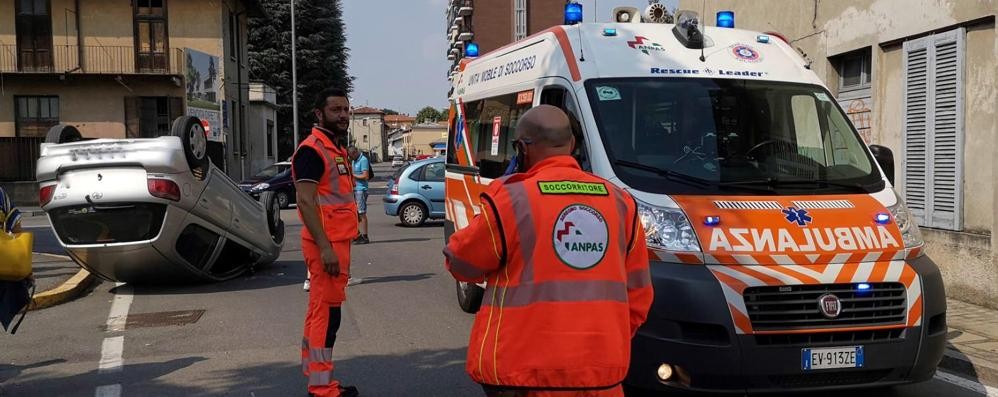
(95, 60)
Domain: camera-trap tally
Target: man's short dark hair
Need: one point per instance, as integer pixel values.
(324, 95)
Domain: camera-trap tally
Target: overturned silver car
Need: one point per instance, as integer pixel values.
(153, 210)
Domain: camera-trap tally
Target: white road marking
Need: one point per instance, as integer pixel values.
(108, 391)
(967, 384)
(119, 308)
(113, 348)
(110, 355)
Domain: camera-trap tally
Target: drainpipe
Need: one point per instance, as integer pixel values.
(79, 38)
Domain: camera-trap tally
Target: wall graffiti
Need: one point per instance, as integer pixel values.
(860, 112)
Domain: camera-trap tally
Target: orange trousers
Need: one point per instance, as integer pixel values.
(322, 320)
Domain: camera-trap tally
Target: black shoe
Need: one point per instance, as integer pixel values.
(362, 240)
(349, 391)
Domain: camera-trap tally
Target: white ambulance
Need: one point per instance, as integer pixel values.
(782, 258)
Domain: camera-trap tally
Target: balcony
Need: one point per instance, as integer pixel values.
(465, 36)
(97, 60)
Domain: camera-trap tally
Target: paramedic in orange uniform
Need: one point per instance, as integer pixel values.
(324, 179)
(564, 258)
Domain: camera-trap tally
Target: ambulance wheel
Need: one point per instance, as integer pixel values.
(274, 223)
(469, 296)
(195, 143)
(412, 214)
(63, 133)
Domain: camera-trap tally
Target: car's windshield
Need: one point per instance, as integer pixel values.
(710, 136)
(271, 171)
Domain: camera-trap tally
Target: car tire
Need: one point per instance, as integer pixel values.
(63, 133)
(469, 296)
(274, 223)
(195, 143)
(283, 200)
(412, 214)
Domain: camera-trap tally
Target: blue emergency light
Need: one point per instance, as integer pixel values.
(471, 50)
(863, 286)
(610, 32)
(883, 218)
(725, 19)
(712, 220)
(573, 13)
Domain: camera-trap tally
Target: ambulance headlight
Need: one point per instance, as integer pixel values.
(906, 222)
(667, 228)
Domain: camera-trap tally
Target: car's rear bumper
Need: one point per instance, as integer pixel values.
(690, 327)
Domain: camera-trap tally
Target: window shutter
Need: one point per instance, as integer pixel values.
(933, 129)
(915, 137)
(947, 130)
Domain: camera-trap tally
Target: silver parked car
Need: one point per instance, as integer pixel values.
(153, 210)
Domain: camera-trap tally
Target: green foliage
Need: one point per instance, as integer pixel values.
(389, 112)
(322, 58)
(428, 114)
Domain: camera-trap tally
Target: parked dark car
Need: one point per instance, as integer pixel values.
(277, 179)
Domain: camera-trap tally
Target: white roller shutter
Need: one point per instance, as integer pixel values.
(933, 129)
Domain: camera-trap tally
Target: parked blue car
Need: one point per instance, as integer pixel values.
(416, 192)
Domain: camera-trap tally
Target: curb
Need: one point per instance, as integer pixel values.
(961, 364)
(63, 293)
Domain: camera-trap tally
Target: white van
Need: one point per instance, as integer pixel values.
(782, 257)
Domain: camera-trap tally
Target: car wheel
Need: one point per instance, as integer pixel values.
(469, 296)
(412, 214)
(192, 135)
(283, 200)
(63, 133)
(274, 223)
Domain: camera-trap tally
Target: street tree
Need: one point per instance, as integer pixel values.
(322, 58)
(428, 114)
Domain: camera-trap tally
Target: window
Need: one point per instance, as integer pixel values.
(34, 35)
(151, 39)
(933, 135)
(493, 133)
(564, 100)
(519, 19)
(854, 70)
(35, 115)
(270, 138)
(154, 117)
(435, 172)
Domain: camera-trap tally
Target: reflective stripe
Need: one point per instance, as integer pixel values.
(638, 279)
(461, 267)
(336, 199)
(524, 227)
(563, 291)
(320, 355)
(320, 378)
(622, 213)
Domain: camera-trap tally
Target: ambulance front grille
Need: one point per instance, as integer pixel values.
(776, 308)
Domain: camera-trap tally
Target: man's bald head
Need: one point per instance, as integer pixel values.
(546, 126)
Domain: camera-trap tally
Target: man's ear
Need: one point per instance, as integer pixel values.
(318, 115)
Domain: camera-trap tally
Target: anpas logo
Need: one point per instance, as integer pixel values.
(580, 237)
(639, 44)
(815, 240)
(745, 53)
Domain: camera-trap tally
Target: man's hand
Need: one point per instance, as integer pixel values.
(330, 263)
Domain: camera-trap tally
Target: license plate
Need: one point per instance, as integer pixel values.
(831, 357)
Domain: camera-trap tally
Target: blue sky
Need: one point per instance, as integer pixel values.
(398, 49)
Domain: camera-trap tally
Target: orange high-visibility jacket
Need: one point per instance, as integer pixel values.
(565, 260)
(335, 190)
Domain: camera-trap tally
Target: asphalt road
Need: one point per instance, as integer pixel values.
(402, 335)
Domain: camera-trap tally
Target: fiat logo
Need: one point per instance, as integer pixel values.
(830, 305)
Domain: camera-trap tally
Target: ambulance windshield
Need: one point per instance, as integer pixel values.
(720, 136)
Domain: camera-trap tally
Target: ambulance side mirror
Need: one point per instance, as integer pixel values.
(884, 157)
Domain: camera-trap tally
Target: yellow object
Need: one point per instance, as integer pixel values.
(15, 256)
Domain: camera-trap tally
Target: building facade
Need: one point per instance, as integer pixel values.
(369, 133)
(125, 69)
(501, 22)
(920, 77)
(262, 125)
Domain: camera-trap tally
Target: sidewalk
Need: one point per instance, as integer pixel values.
(972, 348)
(57, 280)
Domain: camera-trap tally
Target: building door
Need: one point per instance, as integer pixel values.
(151, 117)
(34, 35)
(150, 35)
